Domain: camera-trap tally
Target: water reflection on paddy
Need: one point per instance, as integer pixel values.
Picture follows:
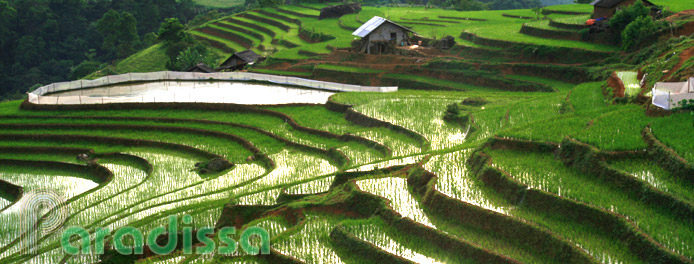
(210, 92)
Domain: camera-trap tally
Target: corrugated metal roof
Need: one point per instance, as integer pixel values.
(369, 26)
(372, 24)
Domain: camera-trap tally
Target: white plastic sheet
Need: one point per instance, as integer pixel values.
(661, 99)
(108, 86)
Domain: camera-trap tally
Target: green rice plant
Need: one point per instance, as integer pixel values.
(550, 130)
(557, 84)
(655, 176)
(420, 115)
(673, 131)
(437, 82)
(161, 200)
(319, 117)
(292, 168)
(265, 143)
(359, 157)
(395, 190)
(342, 68)
(310, 242)
(229, 44)
(544, 24)
(632, 84)
(282, 73)
(398, 161)
(68, 184)
(299, 9)
(674, 5)
(268, 197)
(398, 143)
(510, 32)
(350, 20)
(588, 97)
(233, 151)
(454, 180)
(375, 233)
(543, 171)
(274, 225)
(577, 20)
(617, 130)
(315, 186)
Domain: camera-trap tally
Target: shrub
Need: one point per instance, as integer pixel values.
(475, 101)
(623, 17)
(453, 109)
(638, 31)
(194, 55)
(686, 104)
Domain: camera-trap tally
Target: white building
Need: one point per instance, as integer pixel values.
(669, 95)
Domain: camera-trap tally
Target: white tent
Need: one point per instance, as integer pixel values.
(669, 95)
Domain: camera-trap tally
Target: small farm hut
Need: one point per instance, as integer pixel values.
(239, 60)
(607, 8)
(201, 67)
(378, 34)
(669, 95)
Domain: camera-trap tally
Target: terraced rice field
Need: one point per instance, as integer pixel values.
(277, 30)
(541, 170)
(321, 194)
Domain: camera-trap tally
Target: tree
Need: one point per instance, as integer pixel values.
(119, 32)
(170, 31)
(30, 51)
(84, 69)
(638, 31)
(623, 17)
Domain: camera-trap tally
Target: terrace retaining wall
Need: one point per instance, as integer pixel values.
(367, 121)
(280, 17)
(10, 192)
(548, 33)
(347, 242)
(611, 223)
(588, 159)
(549, 53)
(442, 240)
(557, 24)
(480, 78)
(257, 154)
(667, 158)
(424, 182)
(213, 107)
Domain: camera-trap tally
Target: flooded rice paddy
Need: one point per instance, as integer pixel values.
(190, 91)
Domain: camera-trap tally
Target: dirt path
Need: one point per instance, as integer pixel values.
(684, 56)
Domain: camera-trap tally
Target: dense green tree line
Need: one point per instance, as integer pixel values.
(45, 41)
